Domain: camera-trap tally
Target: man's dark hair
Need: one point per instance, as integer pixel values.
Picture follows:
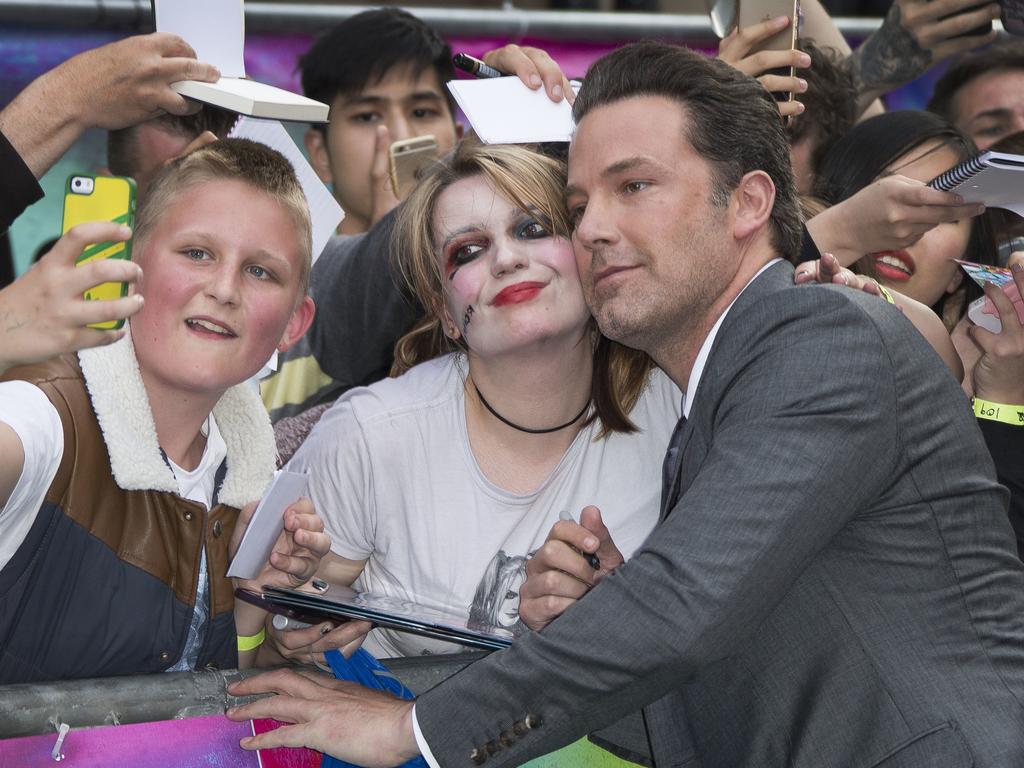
(830, 101)
(122, 147)
(362, 49)
(1007, 55)
(734, 123)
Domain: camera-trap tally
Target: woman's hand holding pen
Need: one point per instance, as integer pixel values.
(559, 573)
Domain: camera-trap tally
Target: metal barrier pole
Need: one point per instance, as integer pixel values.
(512, 23)
(29, 709)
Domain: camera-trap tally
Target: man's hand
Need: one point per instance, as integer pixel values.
(43, 313)
(307, 646)
(887, 215)
(298, 550)
(534, 67)
(342, 719)
(128, 82)
(558, 575)
(735, 50)
(114, 86)
(998, 375)
(915, 36)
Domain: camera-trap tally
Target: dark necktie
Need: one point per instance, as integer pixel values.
(670, 467)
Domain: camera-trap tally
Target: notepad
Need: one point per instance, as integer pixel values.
(266, 524)
(502, 110)
(324, 211)
(993, 178)
(216, 31)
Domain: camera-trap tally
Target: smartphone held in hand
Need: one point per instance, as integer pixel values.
(751, 12)
(407, 160)
(101, 198)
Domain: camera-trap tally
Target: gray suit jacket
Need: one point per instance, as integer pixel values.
(834, 582)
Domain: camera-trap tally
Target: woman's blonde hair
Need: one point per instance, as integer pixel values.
(532, 182)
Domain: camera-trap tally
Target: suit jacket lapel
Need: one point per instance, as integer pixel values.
(776, 277)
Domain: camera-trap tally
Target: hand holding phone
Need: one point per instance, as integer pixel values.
(408, 158)
(998, 374)
(101, 198)
(44, 308)
(763, 45)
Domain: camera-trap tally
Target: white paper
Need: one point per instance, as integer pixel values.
(502, 110)
(266, 524)
(214, 28)
(324, 210)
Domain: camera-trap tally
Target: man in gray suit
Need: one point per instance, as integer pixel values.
(834, 580)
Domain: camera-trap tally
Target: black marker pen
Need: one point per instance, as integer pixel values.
(474, 66)
(592, 560)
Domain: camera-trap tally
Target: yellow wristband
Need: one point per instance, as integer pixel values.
(1007, 414)
(251, 642)
(886, 293)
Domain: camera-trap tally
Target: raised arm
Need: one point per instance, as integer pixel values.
(915, 36)
(113, 86)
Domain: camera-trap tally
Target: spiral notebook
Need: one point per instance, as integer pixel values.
(993, 178)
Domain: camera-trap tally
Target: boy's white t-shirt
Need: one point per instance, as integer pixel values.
(393, 476)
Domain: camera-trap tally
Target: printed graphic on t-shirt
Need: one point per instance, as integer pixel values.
(496, 602)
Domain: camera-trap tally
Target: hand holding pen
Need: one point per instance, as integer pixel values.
(561, 571)
(531, 65)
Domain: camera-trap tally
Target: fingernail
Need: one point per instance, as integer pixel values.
(557, 92)
(590, 542)
(805, 60)
(325, 629)
(124, 231)
(803, 83)
(139, 300)
(799, 107)
(535, 80)
(1017, 266)
(780, 21)
(958, 198)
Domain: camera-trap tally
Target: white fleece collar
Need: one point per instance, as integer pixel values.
(122, 409)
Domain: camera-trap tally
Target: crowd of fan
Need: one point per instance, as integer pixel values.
(441, 440)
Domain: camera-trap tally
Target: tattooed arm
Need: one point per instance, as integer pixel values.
(915, 36)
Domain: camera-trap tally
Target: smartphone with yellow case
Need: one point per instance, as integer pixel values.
(101, 198)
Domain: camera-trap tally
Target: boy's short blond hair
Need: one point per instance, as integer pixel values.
(264, 169)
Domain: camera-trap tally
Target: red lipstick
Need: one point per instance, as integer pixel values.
(517, 294)
(895, 266)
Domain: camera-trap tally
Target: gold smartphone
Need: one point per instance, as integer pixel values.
(408, 158)
(756, 11)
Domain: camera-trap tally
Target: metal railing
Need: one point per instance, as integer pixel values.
(509, 22)
(29, 709)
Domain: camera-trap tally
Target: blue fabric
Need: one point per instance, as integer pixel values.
(364, 669)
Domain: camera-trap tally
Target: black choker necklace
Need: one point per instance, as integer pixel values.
(505, 421)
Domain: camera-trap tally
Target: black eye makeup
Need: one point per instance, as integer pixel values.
(460, 253)
(531, 227)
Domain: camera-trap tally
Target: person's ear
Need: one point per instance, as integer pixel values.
(298, 324)
(753, 199)
(316, 146)
(955, 281)
(448, 326)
